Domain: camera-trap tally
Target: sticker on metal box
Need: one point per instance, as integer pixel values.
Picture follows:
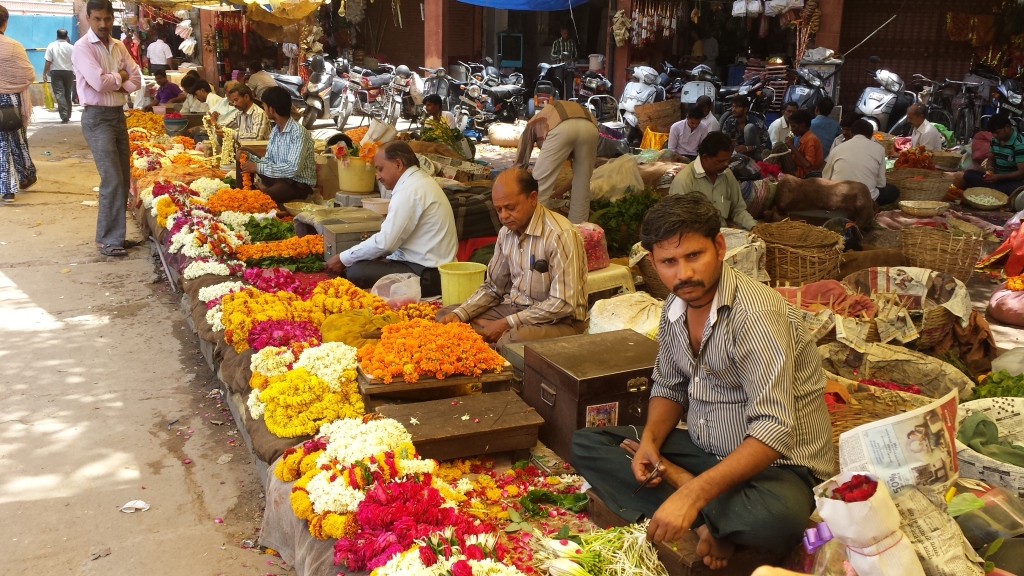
(600, 415)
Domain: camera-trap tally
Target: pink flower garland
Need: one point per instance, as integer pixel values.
(282, 333)
(281, 279)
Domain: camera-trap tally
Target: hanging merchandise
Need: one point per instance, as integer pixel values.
(353, 10)
(188, 46)
(183, 29)
(812, 16)
(754, 8)
(621, 25)
(182, 14)
(739, 8)
(309, 40)
(775, 7)
(653, 19)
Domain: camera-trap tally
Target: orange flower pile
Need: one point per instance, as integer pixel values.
(245, 201)
(185, 141)
(356, 134)
(1015, 283)
(246, 176)
(953, 194)
(424, 310)
(184, 159)
(294, 247)
(915, 158)
(147, 120)
(423, 348)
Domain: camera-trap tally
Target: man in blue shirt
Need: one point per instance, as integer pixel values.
(825, 128)
(288, 171)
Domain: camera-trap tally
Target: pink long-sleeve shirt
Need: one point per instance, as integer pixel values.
(97, 71)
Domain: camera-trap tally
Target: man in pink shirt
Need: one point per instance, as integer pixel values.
(685, 136)
(105, 75)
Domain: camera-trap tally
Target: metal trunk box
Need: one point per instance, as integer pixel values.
(347, 230)
(588, 380)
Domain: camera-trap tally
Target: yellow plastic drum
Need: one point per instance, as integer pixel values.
(358, 178)
(459, 280)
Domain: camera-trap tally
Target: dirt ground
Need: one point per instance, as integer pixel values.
(96, 361)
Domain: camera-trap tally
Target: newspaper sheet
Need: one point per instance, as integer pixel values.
(936, 537)
(1008, 414)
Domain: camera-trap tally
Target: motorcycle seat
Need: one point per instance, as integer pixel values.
(729, 90)
(378, 81)
(288, 79)
(506, 91)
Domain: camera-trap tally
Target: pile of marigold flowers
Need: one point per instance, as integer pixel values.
(245, 201)
(296, 247)
(1015, 283)
(185, 159)
(424, 348)
(146, 120)
(185, 141)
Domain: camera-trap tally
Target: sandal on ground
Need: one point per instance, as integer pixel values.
(115, 251)
(133, 243)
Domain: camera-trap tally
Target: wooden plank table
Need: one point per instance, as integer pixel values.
(497, 422)
(376, 393)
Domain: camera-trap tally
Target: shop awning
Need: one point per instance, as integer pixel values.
(541, 5)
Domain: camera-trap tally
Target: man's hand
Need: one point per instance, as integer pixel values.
(990, 177)
(491, 330)
(789, 143)
(334, 265)
(248, 167)
(675, 516)
(449, 318)
(124, 75)
(214, 116)
(646, 457)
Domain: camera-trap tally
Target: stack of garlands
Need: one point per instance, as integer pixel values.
(145, 120)
(199, 235)
(423, 348)
(918, 157)
(244, 201)
(304, 253)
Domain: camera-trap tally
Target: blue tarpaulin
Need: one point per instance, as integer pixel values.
(541, 5)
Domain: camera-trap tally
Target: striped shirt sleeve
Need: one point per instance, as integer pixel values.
(667, 381)
(765, 358)
(495, 286)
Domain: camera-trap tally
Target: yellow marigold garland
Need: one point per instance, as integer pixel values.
(245, 201)
(165, 207)
(298, 403)
(1015, 283)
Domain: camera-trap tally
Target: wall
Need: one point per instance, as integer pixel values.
(405, 45)
(35, 32)
(914, 43)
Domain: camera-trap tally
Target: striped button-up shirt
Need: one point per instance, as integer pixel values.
(252, 124)
(97, 71)
(543, 297)
(757, 374)
(289, 155)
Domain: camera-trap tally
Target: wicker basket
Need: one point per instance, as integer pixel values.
(888, 141)
(978, 191)
(798, 253)
(652, 281)
(948, 161)
(923, 209)
(941, 250)
(918, 183)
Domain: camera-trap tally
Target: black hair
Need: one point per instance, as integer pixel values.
(202, 85)
(849, 119)
(241, 89)
(254, 66)
(741, 101)
(193, 73)
(399, 150)
(998, 122)
(62, 34)
(525, 182)
(802, 117)
(98, 5)
(278, 100)
(704, 101)
(160, 73)
(825, 106)
(677, 215)
(790, 103)
(188, 82)
(863, 127)
(432, 99)
(695, 112)
(714, 144)
(3, 15)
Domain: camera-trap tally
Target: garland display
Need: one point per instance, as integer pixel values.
(244, 201)
(423, 348)
(301, 253)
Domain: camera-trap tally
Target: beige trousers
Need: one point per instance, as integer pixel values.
(524, 333)
(575, 138)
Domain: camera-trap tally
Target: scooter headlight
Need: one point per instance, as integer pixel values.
(1014, 98)
(473, 91)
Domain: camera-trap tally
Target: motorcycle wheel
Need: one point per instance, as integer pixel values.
(343, 117)
(309, 117)
(531, 109)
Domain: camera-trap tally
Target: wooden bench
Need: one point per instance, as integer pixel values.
(497, 422)
(376, 393)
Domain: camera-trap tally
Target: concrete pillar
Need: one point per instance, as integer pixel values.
(618, 58)
(433, 33)
(831, 24)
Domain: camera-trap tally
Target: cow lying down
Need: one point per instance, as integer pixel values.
(798, 195)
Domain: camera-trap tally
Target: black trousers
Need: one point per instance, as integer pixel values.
(63, 82)
(888, 194)
(153, 68)
(366, 273)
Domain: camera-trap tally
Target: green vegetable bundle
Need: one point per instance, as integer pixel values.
(621, 219)
(268, 229)
(311, 263)
(1000, 384)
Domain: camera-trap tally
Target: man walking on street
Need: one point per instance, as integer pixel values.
(158, 54)
(60, 71)
(106, 75)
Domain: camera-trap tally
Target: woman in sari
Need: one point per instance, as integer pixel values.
(16, 168)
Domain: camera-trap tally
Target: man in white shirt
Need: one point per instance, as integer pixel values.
(432, 109)
(685, 136)
(925, 134)
(259, 80)
(158, 54)
(709, 114)
(418, 234)
(862, 159)
(779, 130)
(61, 72)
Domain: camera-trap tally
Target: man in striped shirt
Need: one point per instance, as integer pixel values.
(287, 171)
(536, 278)
(735, 359)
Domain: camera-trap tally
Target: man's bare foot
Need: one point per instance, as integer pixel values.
(674, 475)
(716, 552)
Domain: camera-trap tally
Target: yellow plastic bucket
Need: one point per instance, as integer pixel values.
(358, 177)
(459, 280)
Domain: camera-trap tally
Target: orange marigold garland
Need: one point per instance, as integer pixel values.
(245, 201)
(185, 141)
(246, 176)
(296, 247)
(423, 348)
(1015, 283)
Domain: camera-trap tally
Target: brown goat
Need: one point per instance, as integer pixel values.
(798, 195)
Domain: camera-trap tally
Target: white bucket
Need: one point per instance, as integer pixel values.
(596, 62)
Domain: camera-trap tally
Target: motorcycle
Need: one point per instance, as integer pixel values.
(295, 88)
(595, 93)
(754, 88)
(325, 92)
(808, 90)
(482, 105)
(1006, 99)
(439, 82)
(886, 107)
(642, 89)
(406, 96)
(368, 93)
(672, 80)
(554, 82)
(703, 82)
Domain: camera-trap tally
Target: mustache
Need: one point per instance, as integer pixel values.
(688, 284)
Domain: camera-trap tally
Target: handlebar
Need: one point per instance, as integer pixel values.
(971, 84)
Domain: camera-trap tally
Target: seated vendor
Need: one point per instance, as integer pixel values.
(804, 147)
(747, 130)
(167, 92)
(861, 158)
(1005, 162)
(686, 135)
(536, 278)
(735, 363)
(432, 109)
(709, 174)
(190, 104)
(251, 121)
(287, 172)
(219, 107)
(417, 235)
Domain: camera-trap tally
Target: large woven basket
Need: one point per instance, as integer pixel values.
(948, 161)
(919, 183)
(888, 141)
(652, 281)
(941, 250)
(798, 253)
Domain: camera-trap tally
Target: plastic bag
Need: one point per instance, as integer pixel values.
(739, 8)
(610, 181)
(595, 245)
(48, 97)
(754, 7)
(637, 311)
(775, 7)
(398, 289)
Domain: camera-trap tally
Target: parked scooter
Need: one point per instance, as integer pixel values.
(368, 93)
(324, 93)
(295, 88)
(886, 107)
(554, 82)
(672, 80)
(439, 82)
(1006, 99)
(808, 90)
(642, 89)
(703, 82)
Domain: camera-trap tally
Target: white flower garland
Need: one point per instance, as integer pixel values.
(256, 406)
(207, 187)
(214, 317)
(337, 497)
(333, 362)
(272, 361)
(147, 198)
(350, 440)
(219, 290)
(199, 268)
(408, 563)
